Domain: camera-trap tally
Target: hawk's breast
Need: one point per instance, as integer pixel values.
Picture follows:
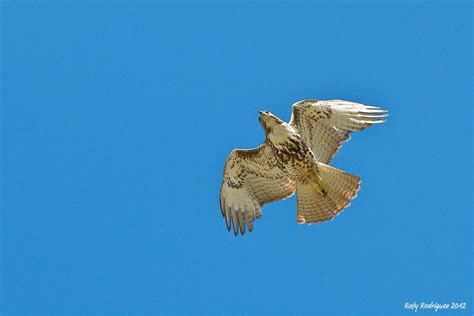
(293, 155)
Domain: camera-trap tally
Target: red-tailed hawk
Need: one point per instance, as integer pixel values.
(295, 158)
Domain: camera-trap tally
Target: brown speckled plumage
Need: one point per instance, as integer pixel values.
(293, 159)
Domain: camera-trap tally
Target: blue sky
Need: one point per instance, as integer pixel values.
(117, 118)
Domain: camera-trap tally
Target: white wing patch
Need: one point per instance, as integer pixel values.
(325, 125)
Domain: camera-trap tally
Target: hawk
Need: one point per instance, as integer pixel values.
(295, 157)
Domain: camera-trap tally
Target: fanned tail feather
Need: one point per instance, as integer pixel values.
(314, 207)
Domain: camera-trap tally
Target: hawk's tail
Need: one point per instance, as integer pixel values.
(316, 206)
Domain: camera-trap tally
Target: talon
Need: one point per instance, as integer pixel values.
(324, 192)
(320, 188)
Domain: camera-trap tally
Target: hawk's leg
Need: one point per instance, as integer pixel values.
(317, 182)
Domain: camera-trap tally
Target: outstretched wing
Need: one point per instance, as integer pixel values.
(325, 125)
(252, 178)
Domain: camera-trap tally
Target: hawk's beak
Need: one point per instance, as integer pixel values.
(260, 112)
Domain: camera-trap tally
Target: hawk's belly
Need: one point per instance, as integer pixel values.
(295, 157)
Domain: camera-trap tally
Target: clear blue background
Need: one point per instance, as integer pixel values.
(117, 119)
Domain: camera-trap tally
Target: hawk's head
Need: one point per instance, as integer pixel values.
(269, 121)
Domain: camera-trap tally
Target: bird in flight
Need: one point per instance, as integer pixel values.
(295, 157)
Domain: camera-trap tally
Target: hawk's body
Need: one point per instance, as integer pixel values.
(293, 158)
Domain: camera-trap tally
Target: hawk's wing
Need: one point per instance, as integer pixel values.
(252, 178)
(325, 125)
